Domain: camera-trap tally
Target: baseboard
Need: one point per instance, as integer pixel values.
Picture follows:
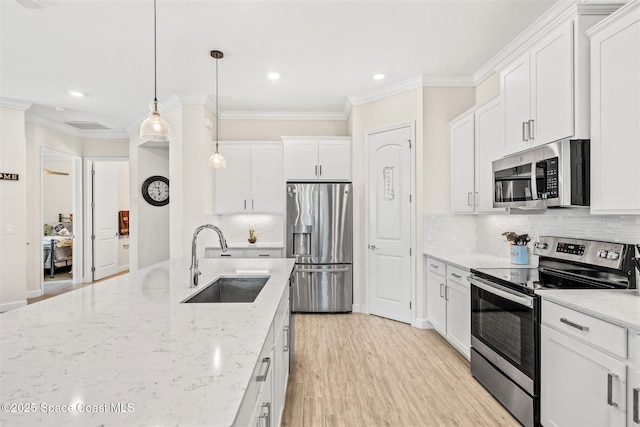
(360, 308)
(12, 305)
(421, 324)
(34, 294)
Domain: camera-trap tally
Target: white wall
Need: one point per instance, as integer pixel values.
(92, 147)
(13, 210)
(272, 130)
(57, 192)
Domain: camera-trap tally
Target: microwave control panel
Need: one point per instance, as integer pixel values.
(548, 186)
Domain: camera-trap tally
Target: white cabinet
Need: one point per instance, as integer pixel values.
(615, 113)
(545, 87)
(263, 401)
(317, 159)
(449, 304)
(583, 369)
(244, 253)
(477, 138)
(253, 181)
(436, 302)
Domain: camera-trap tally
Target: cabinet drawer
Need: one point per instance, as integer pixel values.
(458, 275)
(437, 267)
(594, 331)
(263, 253)
(634, 347)
(230, 253)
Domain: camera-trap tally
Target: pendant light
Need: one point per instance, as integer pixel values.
(216, 160)
(155, 128)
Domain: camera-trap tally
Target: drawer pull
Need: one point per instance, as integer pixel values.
(434, 266)
(263, 377)
(457, 276)
(286, 341)
(225, 254)
(610, 378)
(263, 255)
(574, 325)
(266, 417)
(636, 403)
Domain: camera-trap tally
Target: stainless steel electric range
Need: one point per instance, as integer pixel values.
(505, 313)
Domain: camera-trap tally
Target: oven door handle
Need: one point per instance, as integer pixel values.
(501, 292)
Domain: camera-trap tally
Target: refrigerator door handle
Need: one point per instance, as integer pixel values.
(324, 270)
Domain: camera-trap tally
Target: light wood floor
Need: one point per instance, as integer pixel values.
(361, 370)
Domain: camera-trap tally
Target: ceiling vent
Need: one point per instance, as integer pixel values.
(87, 125)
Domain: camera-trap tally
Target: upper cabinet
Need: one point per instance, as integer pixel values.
(317, 159)
(477, 138)
(253, 181)
(545, 87)
(615, 113)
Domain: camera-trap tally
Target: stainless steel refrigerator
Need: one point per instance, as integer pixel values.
(319, 236)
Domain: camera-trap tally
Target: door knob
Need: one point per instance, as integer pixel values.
(373, 247)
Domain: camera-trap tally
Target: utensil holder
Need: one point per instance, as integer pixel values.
(519, 255)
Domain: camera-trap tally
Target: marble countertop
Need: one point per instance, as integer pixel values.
(129, 344)
(475, 260)
(621, 307)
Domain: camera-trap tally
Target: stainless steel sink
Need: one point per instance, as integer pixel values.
(228, 289)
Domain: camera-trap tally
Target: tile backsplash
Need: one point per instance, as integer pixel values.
(268, 228)
(483, 233)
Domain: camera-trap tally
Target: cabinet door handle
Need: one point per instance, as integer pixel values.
(457, 276)
(532, 129)
(469, 198)
(252, 204)
(316, 170)
(286, 341)
(320, 170)
(266, 417)
(441, 290)
(245, 204)
(610, 378)
(636, 403)
(574, 325)
(476, 199)
(263, 377)
(525, 131)
(446, 293)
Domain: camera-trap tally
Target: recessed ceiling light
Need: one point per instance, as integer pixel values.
(273, 76)
(378, 76)
(76, 93)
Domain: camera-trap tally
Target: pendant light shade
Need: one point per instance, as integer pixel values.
(216, 160)
(155, 128)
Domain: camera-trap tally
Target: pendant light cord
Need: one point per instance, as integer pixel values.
(155, 58)
(217, 111)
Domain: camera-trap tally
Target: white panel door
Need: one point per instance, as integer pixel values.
(615, 117)
(105, 220)
(231, 182)
(267, 178)
(515, 86)
(300, 160)
(462, 165)
(552, 86)
(389, 211)
(574, 385)
(334, 160)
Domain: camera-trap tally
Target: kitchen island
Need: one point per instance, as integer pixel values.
(127, 351)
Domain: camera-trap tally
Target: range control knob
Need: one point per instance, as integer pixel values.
(602, 253)
(541, 245)
(613, 255)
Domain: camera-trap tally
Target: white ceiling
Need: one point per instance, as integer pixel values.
(325, 51)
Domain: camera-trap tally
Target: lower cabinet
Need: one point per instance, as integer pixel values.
(244, 253)
(583, 370)
(263, 402)
(449, 303)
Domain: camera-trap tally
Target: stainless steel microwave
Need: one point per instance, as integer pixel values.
(552, 175)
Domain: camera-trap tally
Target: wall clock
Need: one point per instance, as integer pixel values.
(155, 190)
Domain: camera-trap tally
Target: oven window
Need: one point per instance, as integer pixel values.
(506, 327)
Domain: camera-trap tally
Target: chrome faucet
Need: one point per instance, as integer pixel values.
(195, 273)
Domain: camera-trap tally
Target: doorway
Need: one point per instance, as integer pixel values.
(107, 218)
(390, 222)
(60, 216)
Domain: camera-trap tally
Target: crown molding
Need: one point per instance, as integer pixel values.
(71, 131)
(385, 92)
(14, 104)
(445, 80)
(558, 13)
(281, 115)
(624, 10)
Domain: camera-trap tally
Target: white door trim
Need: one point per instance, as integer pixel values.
(367, 135)
(76, 207)
(88, 193)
